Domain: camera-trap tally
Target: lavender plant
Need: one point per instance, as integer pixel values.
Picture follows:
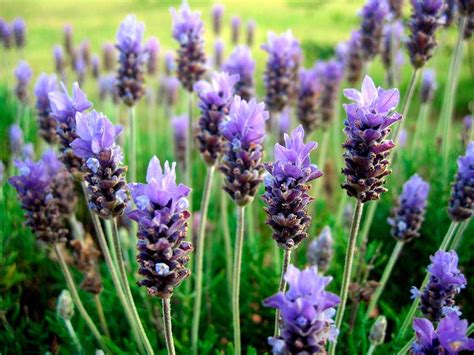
(241, 63)
(47, 124)
(308, 98)
(217, 14)
(152, 49)
(180, 130)
(320, 250)
(19, 32)
(371, 29)
(23, 75)
(235, 30)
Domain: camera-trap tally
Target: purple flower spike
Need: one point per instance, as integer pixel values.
(449, 12)
(5, 34)
(218, 53)
(19, 29)
(68, 41)
(242, 160)
(428, 85)
(59, 60)
(130, 78)
(446, 280)
(392, 38)
(373, 16)
(461, 203)
(47, 123)
(410, 212)
(180, 132)
(214, 103)
(466, 132)
(424, 21)
(240, 62)
(217, 13)
(284, 125)
(284, 57)
(108, 88)
(354, 62)
(321, 250)
(170, 63)
(308, 96)
(15, 137)
(170, 85)
(23, 75)
(286, 189)
(235, 23)
(449, 338)
(188, 31)
(162, 216)
(95, 66)
(307, 312)
(108, 56)
(251, 32)
(102, 167)
(330, 75)
(152, 49)
(367, 125)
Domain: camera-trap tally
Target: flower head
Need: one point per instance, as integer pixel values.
(373, 15)
(152, 48)
(16, 139)
(217, 13)
(235, 24)
(64, 106)
(308, 99)
(241, 63)
(47, 124)
(354, 62)
(187, 24)
(23, 75)
(320, 250)
(19, 29)
(461, 203)
(130, 35)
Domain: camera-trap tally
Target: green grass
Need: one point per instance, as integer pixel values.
(31, 281)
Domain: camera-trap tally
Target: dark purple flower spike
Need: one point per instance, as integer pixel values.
(373, 15)
(23, 75)
(19, 32)
(461, 203)
(308, 99)
(321, 250)
(240, 62)
(47, 123)
(180, 133)
(428, 85)
(330, 75)
(354, 61)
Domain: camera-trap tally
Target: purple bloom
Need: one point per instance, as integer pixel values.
(242, 160)
(373, 15)
(15, 137)
(410, 212)
(367, 149)
(130, 80)
(171, 90)
(28, 151)
(170, 63)
(108, 88)
(180, 133)
(19, 29)
(80, 67)
(214, 103)
(240, 62)
(466, 132)
(284, 57)
(152, 48)
(5, 34)
(188, 31)
(217, 13)
(307, 310)
(354, 61)
(466, 9)
(95, 66)
(321, 250)
(23, 75)
(85, 51)
(461, 203)
(392, 38)
(330, 75)
(59, 61)
(250, 32)
(108, 56)
(286, 189)
(47, 124)
(284, 124)
(68, 41)
(449, 12)
(449, 338)
(428, 85)
(308, 98)
(218, 53)
(446, 280)
(162, 215)
(424, 21)
(235, 23)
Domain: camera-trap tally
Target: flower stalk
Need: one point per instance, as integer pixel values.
(239, 239)
(282, 287)
(168, 326)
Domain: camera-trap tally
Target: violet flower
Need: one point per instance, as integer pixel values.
(449, 12)
(308, 98)
(241, 163)
(28, 151)
(103, 169)
(284, 124)
(428, 86)
(321, 250)
(47, 123)
(450, 337)
(306, 310)
(240, 62)
(108, 56)
(354, 61)
(215, 98)
(170, 63)
(59, 60)
(367, 149)
(373, 15)
(217, 14)
(152, 48)
(23, 75)
(330, 76)
(108, 88)
(286, 189)
(446, 280)
(392, 38)
(218, 53)
(461, 203)
(130, 78)
(251, 32)
(424, 21)
(68, 41)
(80, 68)
(235, 26)
(6, 34)
(467, 128)
(410, 211)
(188, 31)
(95, 66)
(85, 52)
(16, 140)
(171, 91)
(162, 216)
(180, 133)
(19, 29)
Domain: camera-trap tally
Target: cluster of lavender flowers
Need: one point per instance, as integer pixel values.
(47, 123)
(428, 86)
(353, 59)
(14, 33)
(461, 203)
(241, 63)
(373, 15)
(308, 96)
(306, 310)
(286, 189)
(23, 75)
(330, 74)
(320, 250)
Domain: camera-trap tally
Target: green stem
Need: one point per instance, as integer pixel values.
(321, 162)
(100, 313)
(75, 296)
(458, 237)
(371, 349)
(406, 347)
(282, 287)
(346, 278)
(199, 258)
(126, 286)
(73, 335)
(411, 313)
(449, 95)
(385, 276)
(76, 229)
(108, 234)
(168, 326)
(132, 172)
(189, 146)
(239, 238)
(227, 240)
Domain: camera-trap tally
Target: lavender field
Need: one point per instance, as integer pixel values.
(286, 177)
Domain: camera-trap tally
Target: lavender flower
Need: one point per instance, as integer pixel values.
(108, 56)
(428, 86)
(64, 108)
(6, 34)
(461, 203)
(307, 310)
(170, 63)
(103, 168)
(250, 32)
(242, 160)
(19, 29)
(217, 13)
(162, 215)
(180, 132)
(395, 7)
(321, 250)
(367, 149)
(437, 298)
(235, 24)
(68, 41)
(85, 51)
(284, 125)
(466, 132)
(108, 88)
(33, 185)
(240, 62)
(354, 62)
(15, 137)
(373, 16)
(284, 55)
(286, 189)
(59, 61)
(218, 53)
(23, 75)
(80, 68)
(28, 151)
(130, 80)
(95, 66)
(392, 37)
(449, 12)
(152, 48)
(410, 211)
(308, 96)
(47, 124)
(214, 103)
(171, 91)
(188, 30)
(423, 23)
(330, 76)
